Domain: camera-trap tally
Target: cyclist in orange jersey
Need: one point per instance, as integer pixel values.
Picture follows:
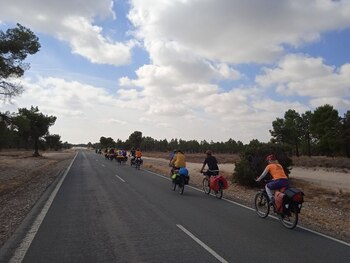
(279, 177)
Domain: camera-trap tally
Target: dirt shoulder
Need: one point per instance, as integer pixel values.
(326, 210)
(23, 179)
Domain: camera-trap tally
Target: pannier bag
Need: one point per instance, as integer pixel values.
(215, 182)
(294, 194)
(183, 171)
(279, 196)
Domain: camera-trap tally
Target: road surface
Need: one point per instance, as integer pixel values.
(105, 212)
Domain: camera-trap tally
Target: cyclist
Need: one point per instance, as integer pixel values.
(279, 177)
(138, 155)
(171, 156)
(132, 154)
(179, 160)
(212, 163)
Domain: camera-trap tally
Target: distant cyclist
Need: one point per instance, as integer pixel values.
(171, 156)
(212, 163)
(138, 154)
(132, 154)
(279, 177)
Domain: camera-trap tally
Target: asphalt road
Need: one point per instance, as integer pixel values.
(104, 212)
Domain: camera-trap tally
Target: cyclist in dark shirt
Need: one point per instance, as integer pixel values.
(212, 163)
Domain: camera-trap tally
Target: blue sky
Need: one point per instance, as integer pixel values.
(190, 69)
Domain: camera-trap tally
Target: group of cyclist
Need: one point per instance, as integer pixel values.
(177, 160)
(114, 153)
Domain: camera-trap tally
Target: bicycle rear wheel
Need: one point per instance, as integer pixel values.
(219, 193)
(290, 218)
(261, 204)
(206, 187)
(181, 189)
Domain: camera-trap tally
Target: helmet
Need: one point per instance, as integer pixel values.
(271, 157)
(208, 152)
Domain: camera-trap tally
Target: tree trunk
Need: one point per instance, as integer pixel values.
(36, 147)
(296, 148)
(308, 144)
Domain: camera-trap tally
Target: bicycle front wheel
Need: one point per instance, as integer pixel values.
(261, 204)
(289, 219)
(206, 187)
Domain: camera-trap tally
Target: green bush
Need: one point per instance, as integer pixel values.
(253, 161)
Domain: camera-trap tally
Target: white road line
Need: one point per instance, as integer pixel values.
(27, 240)
(216, 255)
(103, 165)
(121, 179)
(252, 209)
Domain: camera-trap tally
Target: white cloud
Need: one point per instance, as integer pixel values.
(193, 46)
(306, 76)
(85, 113)
(73, 22)
(235, 31)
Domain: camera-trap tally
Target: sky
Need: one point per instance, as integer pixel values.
(191, 69)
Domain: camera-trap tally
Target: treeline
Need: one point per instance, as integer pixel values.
(136, 140)
(322, 132)
(29, 129)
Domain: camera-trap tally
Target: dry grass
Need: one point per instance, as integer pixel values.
(339, 163)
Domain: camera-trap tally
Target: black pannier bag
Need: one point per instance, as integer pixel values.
(294, 194)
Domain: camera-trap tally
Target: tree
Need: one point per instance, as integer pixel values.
(5, 129)
(346, 133)
(306, 133)
(15, 45)
(325, 127)
(33, 124)
(107, 142)
(53, 141)
(288, 130)
(135, 139)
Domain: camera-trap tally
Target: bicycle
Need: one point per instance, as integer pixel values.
(179, 178)
(217, 183)
(288, 214)
(138, 163)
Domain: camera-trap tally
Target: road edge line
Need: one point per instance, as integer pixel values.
(252, 209)
(21, 251)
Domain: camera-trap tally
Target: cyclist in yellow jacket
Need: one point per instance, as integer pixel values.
(179, 160)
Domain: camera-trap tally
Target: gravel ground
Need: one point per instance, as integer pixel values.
(23, 179)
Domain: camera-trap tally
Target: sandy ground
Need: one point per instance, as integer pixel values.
(326, 178)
